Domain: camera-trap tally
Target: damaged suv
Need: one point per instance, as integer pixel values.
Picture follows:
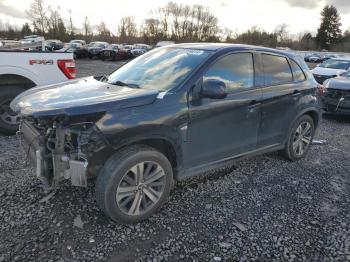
(170, 114)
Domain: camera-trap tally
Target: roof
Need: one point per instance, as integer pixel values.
(230, 47)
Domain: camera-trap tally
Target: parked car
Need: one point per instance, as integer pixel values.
(329, 56)
(313, 58)
(20, 71)
(170, 114)
(336, 99)
(138, 51)
(31, 39)
(330, 68)
(78, 50)
(115, 52)
(91, 44)
(53, 45)
(77, 41)
(95, 49)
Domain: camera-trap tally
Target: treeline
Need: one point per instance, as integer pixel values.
(179, 23)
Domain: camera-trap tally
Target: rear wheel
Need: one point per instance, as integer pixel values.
(134, 184)
(300, 138)
(9, 120)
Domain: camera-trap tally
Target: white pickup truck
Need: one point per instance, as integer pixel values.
(21, 70)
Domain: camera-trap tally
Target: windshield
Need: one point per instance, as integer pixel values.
(336, 64)
(97, 45)
(160, 69)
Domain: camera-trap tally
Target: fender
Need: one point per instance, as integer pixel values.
(150, 132)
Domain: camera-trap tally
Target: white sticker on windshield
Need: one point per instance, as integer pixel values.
(195, 52)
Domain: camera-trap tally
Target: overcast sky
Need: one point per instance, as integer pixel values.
(238, 15)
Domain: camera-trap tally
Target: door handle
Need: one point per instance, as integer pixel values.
(253, 104)
(296, 93)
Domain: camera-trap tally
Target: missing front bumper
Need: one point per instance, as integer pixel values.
(52, 167)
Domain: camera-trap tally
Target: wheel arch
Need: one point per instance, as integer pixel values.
(16, 80)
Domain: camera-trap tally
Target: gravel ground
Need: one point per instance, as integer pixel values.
(263, 208)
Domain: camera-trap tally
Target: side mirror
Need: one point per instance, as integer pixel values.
(214, 89)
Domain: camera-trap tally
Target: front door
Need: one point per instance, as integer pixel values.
(222, 128)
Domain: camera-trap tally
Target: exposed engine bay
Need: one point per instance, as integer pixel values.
(61, 149)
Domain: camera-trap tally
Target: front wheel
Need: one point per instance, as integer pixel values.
(134, 184)
(300, 138)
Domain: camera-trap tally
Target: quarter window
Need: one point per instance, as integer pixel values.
(276, 69)
(297, 72)
(235, 70)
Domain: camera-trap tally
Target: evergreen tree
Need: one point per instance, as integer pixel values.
(26, 30)
(329, 33)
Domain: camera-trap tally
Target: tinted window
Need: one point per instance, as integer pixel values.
(277, 70)
(297, 71)
(236, 71)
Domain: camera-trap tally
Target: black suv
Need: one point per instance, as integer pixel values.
(170, 114)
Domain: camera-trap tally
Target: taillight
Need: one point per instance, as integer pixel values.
(68, 68)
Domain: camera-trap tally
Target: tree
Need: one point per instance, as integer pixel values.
(86, 26)
(71, 28)
(37, 15)
(103, 32)
(127, 29)
(329, 32)
(26, 30)
(55, 24)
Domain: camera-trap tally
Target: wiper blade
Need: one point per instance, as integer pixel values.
(120, 83)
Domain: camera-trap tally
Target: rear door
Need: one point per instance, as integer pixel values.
(279, 98)
(221, 128)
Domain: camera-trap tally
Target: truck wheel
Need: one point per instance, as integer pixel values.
(133, 184)
(300, 138)
(9, 120)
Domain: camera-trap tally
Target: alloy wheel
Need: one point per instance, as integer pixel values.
(302, 138)
(7, 115)
(141, 188)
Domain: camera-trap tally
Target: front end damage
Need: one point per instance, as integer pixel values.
(61, 149)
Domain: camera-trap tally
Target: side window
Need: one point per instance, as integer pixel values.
(276, 70)
(236, 70)
(297, 72)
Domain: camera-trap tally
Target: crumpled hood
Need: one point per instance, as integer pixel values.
(341, 83)
(78, 97)
(327, 71)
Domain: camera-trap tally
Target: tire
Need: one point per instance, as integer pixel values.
(115, 177)
(298, 144)
(7, 94)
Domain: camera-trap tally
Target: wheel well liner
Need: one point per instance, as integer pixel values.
(314, 115)
(163, 146)
(16, 80)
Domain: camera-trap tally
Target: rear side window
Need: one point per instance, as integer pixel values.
(236, 70)
(297, 72)
(276, 69)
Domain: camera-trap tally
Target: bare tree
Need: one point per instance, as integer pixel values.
(71, 28)
(86, 26)
(127, 29)
(103, 32)
(37, 15)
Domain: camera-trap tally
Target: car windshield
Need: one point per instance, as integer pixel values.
(98, 45)
(336, 64)
(160, 69)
